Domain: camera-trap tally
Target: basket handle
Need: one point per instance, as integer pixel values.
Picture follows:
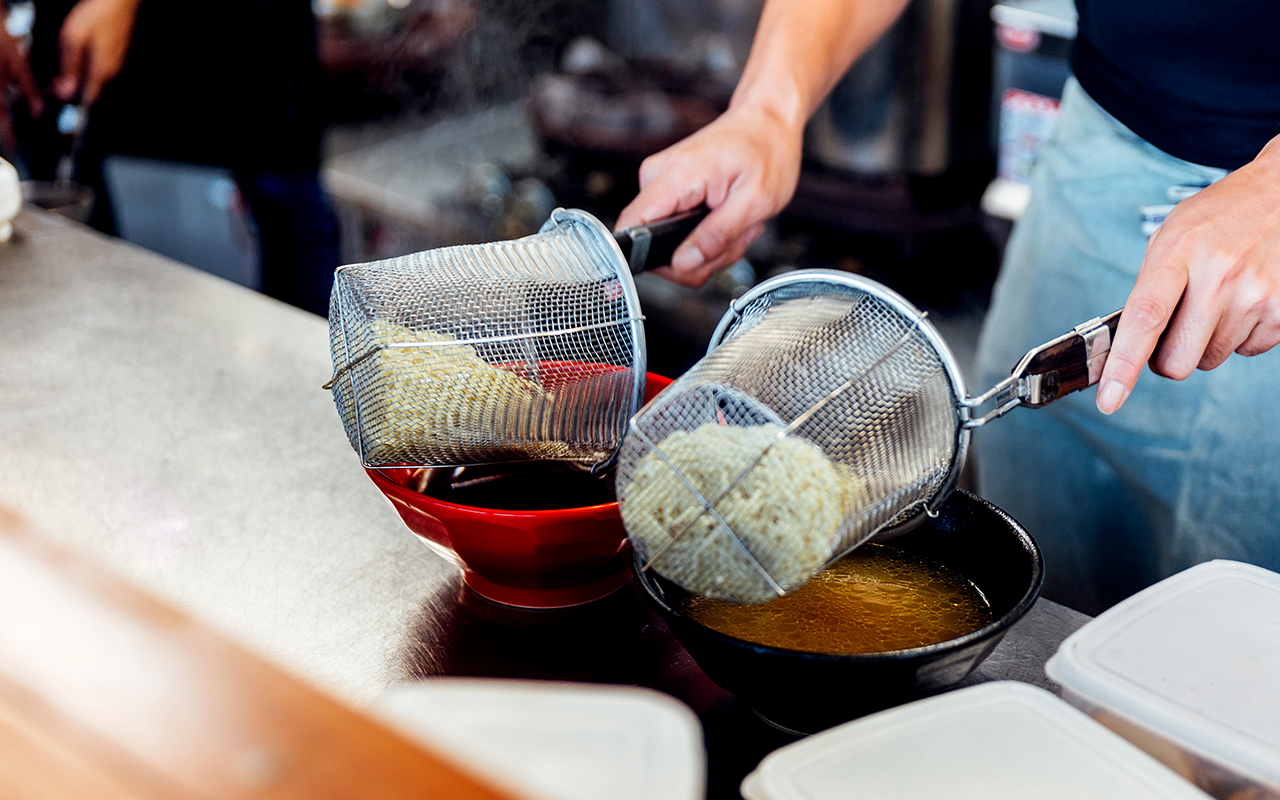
(1068, 364)
(653, 243)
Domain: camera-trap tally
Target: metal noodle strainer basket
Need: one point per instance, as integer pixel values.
(827, 412)
(506, 351)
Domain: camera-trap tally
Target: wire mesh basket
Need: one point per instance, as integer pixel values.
(824, 414)
(507, 351)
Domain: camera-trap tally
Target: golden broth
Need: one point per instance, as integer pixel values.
(875, 599)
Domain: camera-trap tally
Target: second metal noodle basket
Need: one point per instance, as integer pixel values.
(827, 412)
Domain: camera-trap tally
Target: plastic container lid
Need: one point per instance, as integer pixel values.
(992, 741)
(1194, 658)
(557, 741)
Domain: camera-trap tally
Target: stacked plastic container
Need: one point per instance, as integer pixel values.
(1189, 670)
(547, 740)
(995, 741)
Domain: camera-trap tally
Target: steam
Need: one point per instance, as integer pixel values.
(509, 44)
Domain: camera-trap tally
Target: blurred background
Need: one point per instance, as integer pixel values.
(269, 142)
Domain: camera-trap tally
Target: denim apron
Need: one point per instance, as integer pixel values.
(1186, 471)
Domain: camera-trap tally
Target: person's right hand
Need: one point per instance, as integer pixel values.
(93, 43)
(744, 166)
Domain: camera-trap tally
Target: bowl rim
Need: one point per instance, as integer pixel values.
(576, 512)
(997, 626)
(387, 485)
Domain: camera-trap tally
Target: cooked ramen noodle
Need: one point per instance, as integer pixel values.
(788, 511)
(431, 403)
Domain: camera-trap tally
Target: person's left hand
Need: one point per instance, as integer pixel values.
(93, 43)
(1209, 285)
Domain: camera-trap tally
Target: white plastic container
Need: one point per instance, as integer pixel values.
(995, 741)
(1189, 670)
(10, 199)
(557, 741)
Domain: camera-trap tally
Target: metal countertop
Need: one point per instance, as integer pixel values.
(171, 425)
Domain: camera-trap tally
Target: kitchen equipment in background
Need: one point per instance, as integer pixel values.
(1033, 40)
(71, 123)
(68, 199)
(997, 741)
(897, 158)
(602, 104)
(891, 113)
(522, 350)
(427, 188)
(713, 33)
(527, 557)
(848, 367)
(556, 740)
(806, 692)
(1189, 670)
(385, 57)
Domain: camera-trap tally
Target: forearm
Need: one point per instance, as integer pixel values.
(801, 49)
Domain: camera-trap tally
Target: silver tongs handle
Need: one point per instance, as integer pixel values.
(1068, 364)
(653, 244)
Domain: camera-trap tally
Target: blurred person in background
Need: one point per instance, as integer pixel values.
(234, 85)
(1174, 105)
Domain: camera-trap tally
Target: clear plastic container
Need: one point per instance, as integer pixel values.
(1189, 670)
(556, 740)
(994, 741)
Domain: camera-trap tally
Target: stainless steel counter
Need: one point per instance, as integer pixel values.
(171, 426)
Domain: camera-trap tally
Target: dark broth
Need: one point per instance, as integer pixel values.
(877, 598)
(523, 489)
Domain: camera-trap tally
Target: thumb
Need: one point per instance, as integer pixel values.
(717, 233)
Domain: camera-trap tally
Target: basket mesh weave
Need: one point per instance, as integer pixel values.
(508, 351)
(824, 416)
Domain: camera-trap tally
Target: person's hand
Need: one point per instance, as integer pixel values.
(93, 42)
(1209, 285)
(15, 71)
(744, 166)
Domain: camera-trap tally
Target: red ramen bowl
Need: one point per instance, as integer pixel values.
(523, 555)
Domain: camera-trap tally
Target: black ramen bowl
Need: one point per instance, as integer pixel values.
(807, 692)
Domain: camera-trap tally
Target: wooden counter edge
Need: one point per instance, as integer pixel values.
(108, 693)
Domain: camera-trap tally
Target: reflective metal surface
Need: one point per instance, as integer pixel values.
(170, 424)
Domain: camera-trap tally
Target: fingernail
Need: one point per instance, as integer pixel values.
(687, 256)
(1110, 395)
